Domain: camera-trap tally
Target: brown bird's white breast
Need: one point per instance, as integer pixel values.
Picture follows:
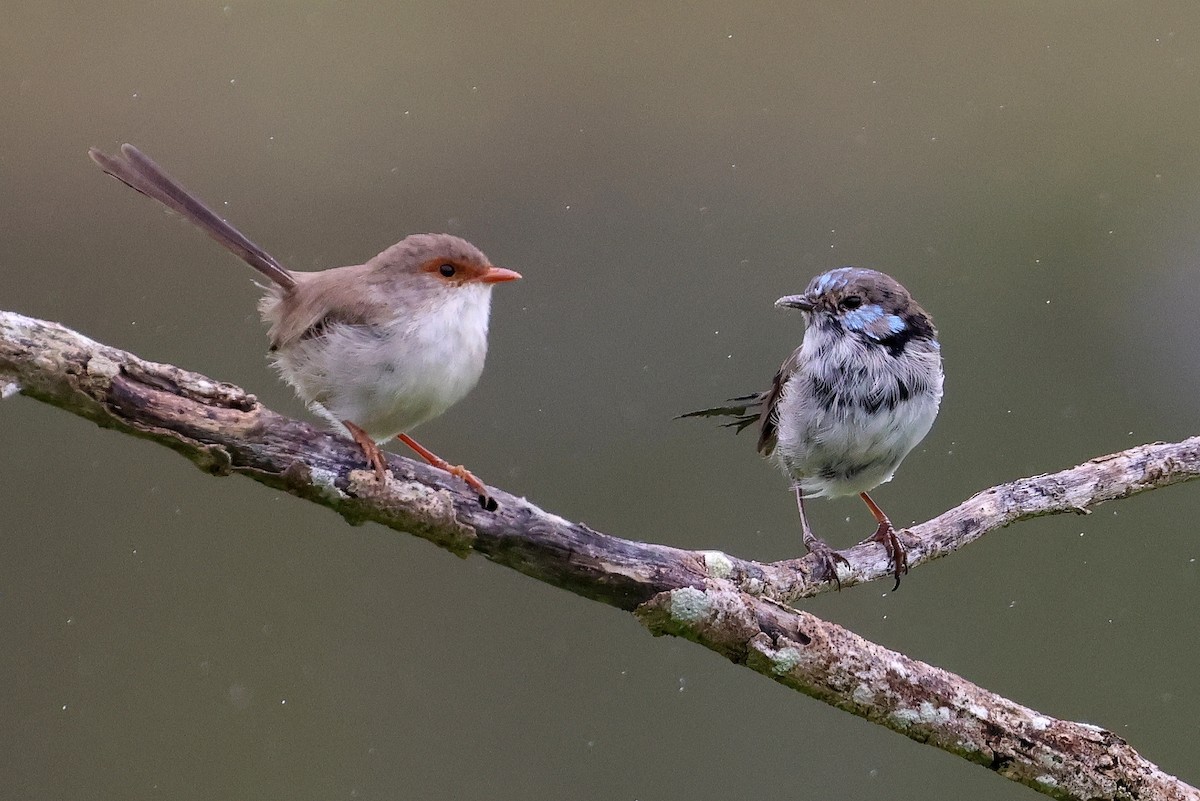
(389, 378)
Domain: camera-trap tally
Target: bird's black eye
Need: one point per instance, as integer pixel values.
(447, 270)
(852, 302)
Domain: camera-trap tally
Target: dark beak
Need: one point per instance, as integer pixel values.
(801, 302)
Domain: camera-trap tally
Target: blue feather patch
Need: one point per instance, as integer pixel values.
(873, 322)
(827, 281)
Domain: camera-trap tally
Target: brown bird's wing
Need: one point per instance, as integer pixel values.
(769, 414)
(318, 301)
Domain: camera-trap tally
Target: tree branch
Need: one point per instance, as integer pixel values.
(730, 605)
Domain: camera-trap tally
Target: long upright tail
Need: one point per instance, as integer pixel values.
(135, 169)
(745, 411)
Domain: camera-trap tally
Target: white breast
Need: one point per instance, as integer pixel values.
(390, 379)
(835, 443)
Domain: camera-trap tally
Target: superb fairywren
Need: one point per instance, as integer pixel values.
(849, 404)
(374, 348)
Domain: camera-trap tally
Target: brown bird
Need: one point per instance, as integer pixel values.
(376, 348)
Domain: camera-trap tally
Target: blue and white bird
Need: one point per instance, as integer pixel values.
(850, 403)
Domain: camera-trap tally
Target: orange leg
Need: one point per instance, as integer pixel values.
(485, 500)
(886, 535)
(370, 449)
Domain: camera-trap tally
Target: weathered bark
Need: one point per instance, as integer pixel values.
(933, 706)
(730, 605)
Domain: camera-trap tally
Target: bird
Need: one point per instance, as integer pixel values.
(851, 402)
(375, 349)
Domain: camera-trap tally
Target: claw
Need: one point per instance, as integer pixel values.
(826, 557)
(896, 552)
(370, 449)
(886, 535)
(828, 560)
(485, 500)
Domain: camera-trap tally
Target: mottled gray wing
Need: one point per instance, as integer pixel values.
(769, 415)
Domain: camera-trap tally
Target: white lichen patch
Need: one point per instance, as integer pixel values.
(785, 660)
(9, 389)
(206, 387)
(1047, 781)
(1039, 723)
(926, 715)
(717, 564)
(690, 605)
(436, 503)
(324, 481)
(863, 694)
(102, 366)
(934, 714)
(978, 711)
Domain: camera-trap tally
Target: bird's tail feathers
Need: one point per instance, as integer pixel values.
(744, 410)
(136, 170)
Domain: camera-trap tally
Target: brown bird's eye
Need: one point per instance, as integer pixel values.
(852, 302)
(447, 270)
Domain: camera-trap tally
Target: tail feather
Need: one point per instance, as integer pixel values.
(745, 412)
(137, 171)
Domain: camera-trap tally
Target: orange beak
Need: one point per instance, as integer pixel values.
(495, 275)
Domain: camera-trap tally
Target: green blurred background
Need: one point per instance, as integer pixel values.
(660, 173)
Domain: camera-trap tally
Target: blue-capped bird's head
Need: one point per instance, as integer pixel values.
(867, 304)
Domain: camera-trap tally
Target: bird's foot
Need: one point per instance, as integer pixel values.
(896, 552)
(485, 500)
(370, 449)
(827, 559)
